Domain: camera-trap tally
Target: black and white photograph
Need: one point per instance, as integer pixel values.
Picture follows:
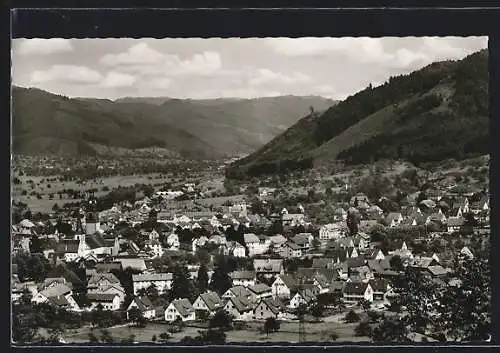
(212, 191)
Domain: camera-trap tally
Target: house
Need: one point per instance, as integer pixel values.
(268, 307)
(106, 283)
(360, 273)
(57, 291)
(135, 263)
(303, 240)
(254, 244)
(173, 241)
(437, 271)
(180, 309)
(380, 287)
(108, 301)
(331, 231)
(283, 286)
(259, 291)
(374, 254)
(302, 297)
(403, 252)
(277, 240)
(291, 250)
(460, 206)
(239, 307)
(237, 291)
(209, 302)
(162, 281)
(454, 224)
(293, 219)
(343, 243)
(235, 249)
(268, 267)
(144, 305)
(394, 219)
(358, 198)
(354, 292)
(243, 278)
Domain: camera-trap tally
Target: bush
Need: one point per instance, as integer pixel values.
(351, 317)
(363, 329)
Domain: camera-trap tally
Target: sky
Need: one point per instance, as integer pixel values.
(217, 67)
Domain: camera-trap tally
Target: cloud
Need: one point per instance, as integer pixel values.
(364, 50)
(139, 54)
(117, 79)
(144, 60)
(266, 76)
(44, 46)
(66, 73)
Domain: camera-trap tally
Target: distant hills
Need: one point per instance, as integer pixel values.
(45, 123)
(435, 113)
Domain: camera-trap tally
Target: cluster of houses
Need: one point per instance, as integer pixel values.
(353, 268)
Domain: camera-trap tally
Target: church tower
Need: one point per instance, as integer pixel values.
(91, 217)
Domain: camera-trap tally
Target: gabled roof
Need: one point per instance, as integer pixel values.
(379, 284)
(274, 304)
(241, 303)
(239, 291)
(95, 241)
(63, 271)
(151, 277)
(59, 301)
(370, 254)
(322, 262)
(358, 288)
(455, 221)
(268, 265)
(259, 288)
(183, 306)
(101, 297)
(289, 281)
(143, 303)
(108, 267)
(57, 290)
(111, 278)
(242, 275)
(437, 270)
(355, 262)
(212, 300)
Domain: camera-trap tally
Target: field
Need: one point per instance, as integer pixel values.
(289, 332)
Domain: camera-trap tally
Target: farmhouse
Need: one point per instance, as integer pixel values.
(353, 292)
(108, 301)
(239, 307)
(268, 307)
(243, 278)
(180, 309)
(283, 286)
(209, 302)
(162, 281)
(144, 305)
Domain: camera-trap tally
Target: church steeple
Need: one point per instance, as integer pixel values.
(91, 217)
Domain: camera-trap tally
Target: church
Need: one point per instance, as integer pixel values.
(88, 243)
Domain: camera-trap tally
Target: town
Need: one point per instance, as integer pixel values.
(259, 263)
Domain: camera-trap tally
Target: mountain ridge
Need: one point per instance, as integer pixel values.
(405, 118)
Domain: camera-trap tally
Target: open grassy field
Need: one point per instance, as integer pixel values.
(289, 332)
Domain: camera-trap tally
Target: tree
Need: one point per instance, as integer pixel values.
(129, 339)
(153, 338)
(93, 338)
(365, 304)
(396, 263)
(317, 310)
(221, 320)
(363, 329)
(271, 325)
(390, 330)
(221, 281)
(182, 286)
(152, 292)
(466, 309)
(202, 279)
(351, 317)
(334, 336)
(211, 336)
(135, 315)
